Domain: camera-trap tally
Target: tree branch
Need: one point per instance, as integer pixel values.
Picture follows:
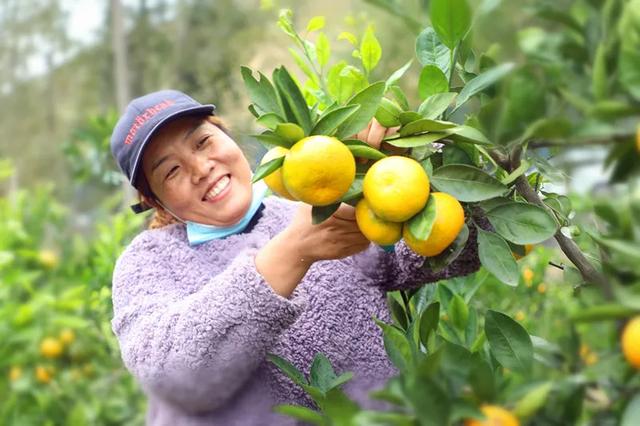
(571, 250)
(614, 139)
(569, 247)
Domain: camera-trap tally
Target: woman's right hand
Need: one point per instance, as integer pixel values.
(287, 257)
(335, 238)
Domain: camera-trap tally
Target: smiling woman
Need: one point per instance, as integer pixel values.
(199, 302)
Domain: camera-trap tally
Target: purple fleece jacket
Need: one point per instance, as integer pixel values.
(195, 323)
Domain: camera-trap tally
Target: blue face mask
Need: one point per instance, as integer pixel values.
(198, 233)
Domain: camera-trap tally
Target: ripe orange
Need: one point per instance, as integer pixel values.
(67, 336)
(527, 250)
(396, 188)
(44, 374)
(446, 226)
(274, 180)
(51, 348)
(631, 342)
(495, 416)
(15, 373)
(318, 170)
(377, 230)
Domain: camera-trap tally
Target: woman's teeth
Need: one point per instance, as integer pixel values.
(218, 188)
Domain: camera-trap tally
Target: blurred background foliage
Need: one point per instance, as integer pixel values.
(63, 205)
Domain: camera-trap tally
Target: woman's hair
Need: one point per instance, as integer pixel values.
(161, 217)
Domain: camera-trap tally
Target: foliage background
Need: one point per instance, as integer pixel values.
(63, 215)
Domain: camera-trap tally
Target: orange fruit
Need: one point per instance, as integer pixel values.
(447, 224)
(67, 336)
(495, 416)
(15, 373)
(527, 250)
(631, 342)
(377, 230)
(51, 348)
(43, 374)
(396, 188)
(318, 170)
(274, 180)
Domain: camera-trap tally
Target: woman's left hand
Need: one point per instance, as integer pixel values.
(374, 133)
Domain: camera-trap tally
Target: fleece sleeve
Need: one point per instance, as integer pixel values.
(196, 349)
(404, 269)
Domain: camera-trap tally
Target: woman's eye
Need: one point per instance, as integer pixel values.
(202, 142)
(172, 172)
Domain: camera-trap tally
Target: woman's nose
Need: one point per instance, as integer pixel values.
(201, 168)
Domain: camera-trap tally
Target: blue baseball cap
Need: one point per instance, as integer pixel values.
(141, 119)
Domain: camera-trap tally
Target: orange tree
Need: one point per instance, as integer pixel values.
(484, 131)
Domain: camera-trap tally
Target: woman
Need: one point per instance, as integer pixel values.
(225, 277)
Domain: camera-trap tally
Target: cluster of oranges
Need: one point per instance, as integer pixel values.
(50, 348)
(319, 170)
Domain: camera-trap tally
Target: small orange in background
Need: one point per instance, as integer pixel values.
(44, 374)
(527, 275)
(67, 336)
(631, 342)
(520, 316)
(51, 348)
(495, 416)
(15, 373)
(542, 288)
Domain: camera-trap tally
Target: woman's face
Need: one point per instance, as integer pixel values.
(198, 172)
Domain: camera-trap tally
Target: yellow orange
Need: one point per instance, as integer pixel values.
(15, 373)
(43, 374)
(318, 170)
(377, 230)
(447, 224)
(527, 250)
(67, 336)
(495, 416)
(274, 180)
(51, 348)
(631, 342)
(396, 187)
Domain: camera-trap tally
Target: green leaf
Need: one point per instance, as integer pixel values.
(270, 139)
(321, 374)
(270, 120)
(267, 168)
(289, 369)
(522, 223)
(341, 379)
(451, 253)
(301, 413)
(599, 73)
(303, 65)
(397, 74)
(436, 104)
(328, 123)
(321, 213)
(431, 51)
(407, 117)
(323, 49)
(481, 379)
(397, 346)
(467, 183)
(533, 400)
(483, 81)
(366, 152)
(432, 81)
(425, 125)
(397, 311)
(261, 92)
(370, 50)
(495, 255)
(509, 342)
(290, 132)
(354, 193)
(631, 412)
(609, 311)
(316, 23)
(350, 37)
(414, 141)
(626, 248)
(421, 224)
(429, 322)
(429, 401)
(289, 91)
(459, 312)
(469, 134)
(451, 20)
(368, 99)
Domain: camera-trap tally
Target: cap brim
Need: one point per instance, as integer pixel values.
(201, 109)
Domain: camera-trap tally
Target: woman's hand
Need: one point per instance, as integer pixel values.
(374, 133)
(285, 259)
(335, 238)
